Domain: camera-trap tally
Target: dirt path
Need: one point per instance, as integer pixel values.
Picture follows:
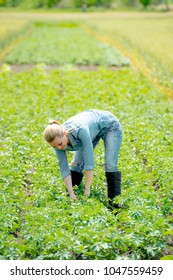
(29, 67)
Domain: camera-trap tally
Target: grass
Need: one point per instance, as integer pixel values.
(137, 36)
(10, 29)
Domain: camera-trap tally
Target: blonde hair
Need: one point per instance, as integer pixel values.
(53, 129)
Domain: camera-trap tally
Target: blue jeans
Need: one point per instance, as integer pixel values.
(112, 142)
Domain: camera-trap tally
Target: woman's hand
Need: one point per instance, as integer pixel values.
(87, 191)
(68, 182)
(73, 196)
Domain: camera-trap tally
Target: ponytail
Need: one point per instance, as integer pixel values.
(53, 129)
(54, 122)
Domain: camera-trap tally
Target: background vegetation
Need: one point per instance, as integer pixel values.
(84, 4)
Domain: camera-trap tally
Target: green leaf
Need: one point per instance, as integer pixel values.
(167, 257)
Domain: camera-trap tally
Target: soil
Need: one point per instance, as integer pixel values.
(28, 67)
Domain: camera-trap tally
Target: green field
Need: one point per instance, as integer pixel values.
(38, 219)
(64, 43)
(10, 31)
(138, 38)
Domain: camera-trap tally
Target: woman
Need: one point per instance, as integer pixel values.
(81, 133)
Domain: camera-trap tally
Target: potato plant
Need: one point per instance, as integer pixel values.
(38, 219)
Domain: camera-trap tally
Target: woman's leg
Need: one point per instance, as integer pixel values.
(76, 168)
(112, 143)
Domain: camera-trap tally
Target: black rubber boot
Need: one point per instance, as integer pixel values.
(76, 178)
(113, 186)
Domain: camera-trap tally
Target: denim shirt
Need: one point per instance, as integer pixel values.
(83, 131)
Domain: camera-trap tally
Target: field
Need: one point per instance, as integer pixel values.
(11, 30)
(153, 49)
(38, 219)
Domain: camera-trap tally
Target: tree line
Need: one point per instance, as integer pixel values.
(84, 4)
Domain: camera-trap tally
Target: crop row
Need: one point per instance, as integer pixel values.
(38, 220)
(64, 43)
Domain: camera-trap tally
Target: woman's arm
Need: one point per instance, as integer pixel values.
(62, 158)
(88, 156)
(87, 148)
(88, 181)
(68, 183)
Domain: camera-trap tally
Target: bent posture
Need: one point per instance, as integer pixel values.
(81, 133)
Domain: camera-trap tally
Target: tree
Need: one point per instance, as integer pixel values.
(145, 3)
